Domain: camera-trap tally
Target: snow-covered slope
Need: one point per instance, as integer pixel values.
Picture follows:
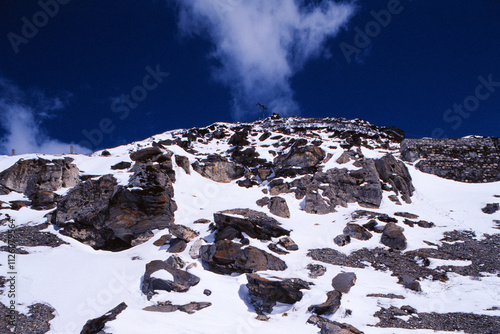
(82, 283)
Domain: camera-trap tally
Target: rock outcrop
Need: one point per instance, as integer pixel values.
(266, 292)
(219, 169)
(473, 160)
(95, 326)
(226, 257)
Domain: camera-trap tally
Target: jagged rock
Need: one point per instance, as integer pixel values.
(255, 224)
(406, 215)
(410, 282)
(474, 160)
(491, 208)
(30, 176)
(177, 245)
(274, 247)
(181, 283)
(278, 207)
(183, 232)
(343, 282)
(95, 326)
(163, 240)
(373, 215)
(264, 201)
(248, 157)
(332, 327)
(183, 162)
(141, 238)
(395, 199)
(43, 200)
(393, 237)
(176, 262)
(226, 257)
(219, 169)
(118, 215)
(278, 186)
(301, 157)
(347, 156)
(247, 183)
(316, 204)
(167, 307)
(357, 232)
(36, 321)
(288, 244)
(202, 221)
(315, 270)
(396, 174)
(383, 295)
(146, 154)
(263, 172)
(265, 293)
(330, 306)
(228, 233)
(239, 139)
(341, 240)
(121, 165)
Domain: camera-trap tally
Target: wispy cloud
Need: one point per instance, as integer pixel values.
(261, 44)
(22, 116)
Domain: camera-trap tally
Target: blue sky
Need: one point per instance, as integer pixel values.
(103, 73)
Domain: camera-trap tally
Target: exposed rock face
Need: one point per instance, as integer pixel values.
(226, 257)
(95, 326)
(300, 157)
(30, 176)
(118, 215)
(181, 283)
(219, 169)
(466, 159)
(183, 162)
(396, 174)
(255, 224)
(31, 236)
(265, 293)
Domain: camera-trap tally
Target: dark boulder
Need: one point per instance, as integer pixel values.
(278, 207)
(183, 162)
(226, 257)
(491, 208)
(357, 232)
(266, 292)
(393, 237)
(330, 306)
(315, 270)
(121, 165)
(219, 169)
(146, 154)
(255, 224)
(342, 240)
(343, 282)
(181, 283)
(95, 326)
(301, 157)
(397, 175)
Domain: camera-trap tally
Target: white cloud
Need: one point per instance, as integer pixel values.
(261, 44)
(21, 119)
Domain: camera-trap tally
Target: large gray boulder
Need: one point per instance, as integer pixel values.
(278, 207)
(301, 157)
(30, 176)
(393, 237)
(219, 169)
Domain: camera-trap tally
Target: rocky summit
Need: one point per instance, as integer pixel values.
(279, 225)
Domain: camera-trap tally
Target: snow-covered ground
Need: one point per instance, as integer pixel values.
(81, 283)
